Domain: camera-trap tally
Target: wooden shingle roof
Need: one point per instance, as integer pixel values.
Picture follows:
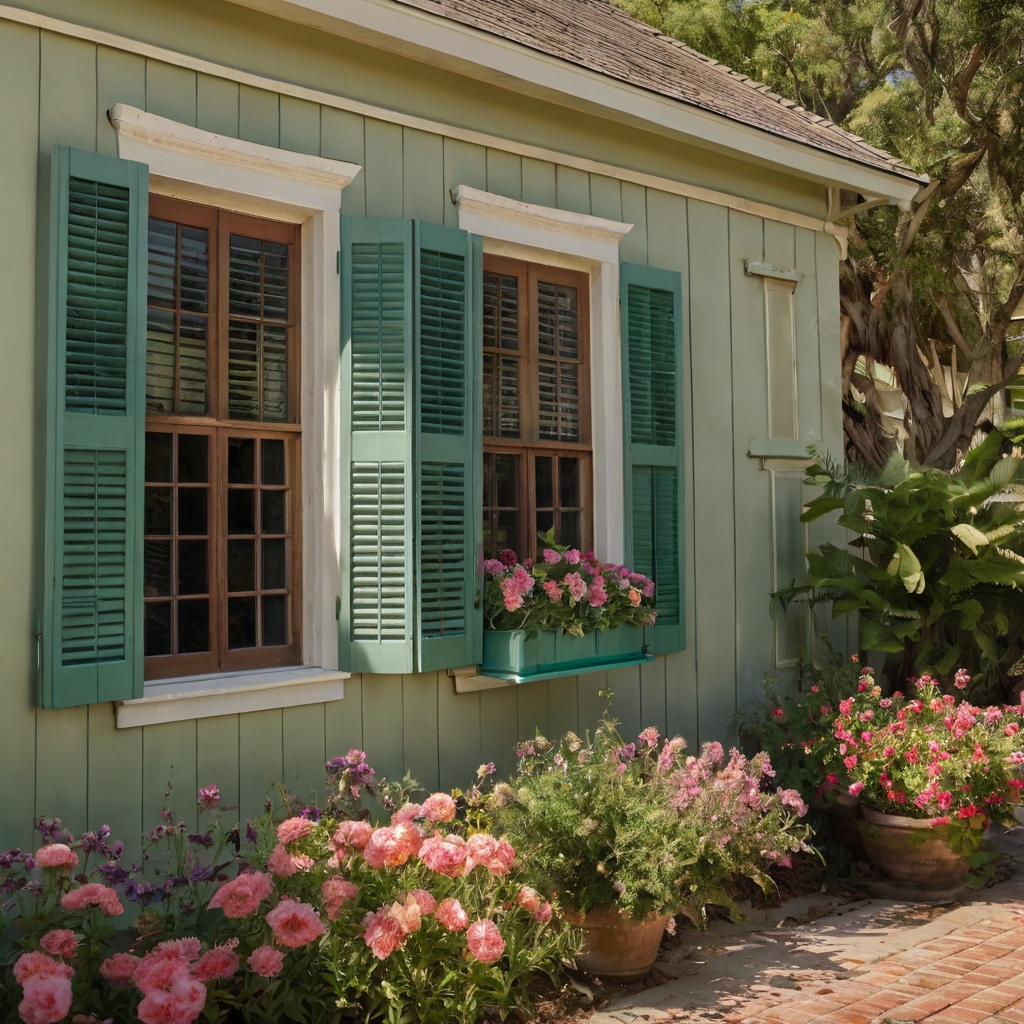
(600, 37)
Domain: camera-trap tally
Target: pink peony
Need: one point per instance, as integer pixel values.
(485, 941)
(294, 924)
(176, 949)
(577, 587)
(242, 895)
(493, 566)
(551, 557)
(335, 892)
(596, 595)
(351, 835)
(407, 914)
(383, 933)
(513, 601)
(292, 829)
(209, 797)
(543, 913)
(38, 965)
(496, 855)
(219, 962)
(445, 854)
(451, 915)
(170, 994)
(119, 969)
(391, 847)
(553, 590)
(529, 899)
(56, 855)
(426, 902)
(47, 998)
(93, 894)
(266, 961)
(285, 864)
(60, 942)
(439, 807)
(406, 813)
(572, 556)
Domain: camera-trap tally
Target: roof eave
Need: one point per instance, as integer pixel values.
(442, 42)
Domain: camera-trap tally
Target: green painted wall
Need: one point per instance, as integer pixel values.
(75, 763)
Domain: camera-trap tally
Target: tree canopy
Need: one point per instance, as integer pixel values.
(930, 287)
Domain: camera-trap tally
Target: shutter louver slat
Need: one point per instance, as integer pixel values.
(442, 549)
(652, 355)
(95, 398)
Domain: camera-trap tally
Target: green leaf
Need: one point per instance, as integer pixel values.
(949, 661)
(905, 562)
(970, 535)
(1004, 471)
(970, 612)
(1002, 624)
(876, 637)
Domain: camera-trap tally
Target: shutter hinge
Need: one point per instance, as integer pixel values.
(338, 261)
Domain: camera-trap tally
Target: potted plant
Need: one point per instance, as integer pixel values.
(931, 773)
(568, 613)
(630, 834)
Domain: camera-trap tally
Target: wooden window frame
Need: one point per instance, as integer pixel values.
(221, 224)
(529, 444)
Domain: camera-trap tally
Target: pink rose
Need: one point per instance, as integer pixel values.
(242, 895)
(335, 892)
(219, 962)
(266, 961)
(60, 942)
(572, 556)
(119, 969)
(56, 855)
(451, 915)
(485, 941)
(292, 829)
(285, 864)
(634, 596)
(93, 895)
(209, 797)
(551, 557)
(596, 595)
(439, 807)
(445, 854)
(294, 924)
(856, 788)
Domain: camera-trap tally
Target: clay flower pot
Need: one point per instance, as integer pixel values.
(912, 850)
(616, 946)
(843, 819)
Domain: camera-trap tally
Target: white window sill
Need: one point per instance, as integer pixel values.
(230, 693)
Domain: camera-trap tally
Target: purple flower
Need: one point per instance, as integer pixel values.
(311, 813)
(201, 840)
(201, 873)
(507, 557)
(251, 835)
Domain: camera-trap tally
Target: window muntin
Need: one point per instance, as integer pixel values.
(537, 450)
(222, 548)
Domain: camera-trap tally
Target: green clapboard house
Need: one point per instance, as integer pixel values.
(310, 305)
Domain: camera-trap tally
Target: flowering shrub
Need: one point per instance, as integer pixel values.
(640, 825)
(934, 757)
(567, 591)
(422, 918)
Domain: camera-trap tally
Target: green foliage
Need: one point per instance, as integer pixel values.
(939, 581)
(637, 825)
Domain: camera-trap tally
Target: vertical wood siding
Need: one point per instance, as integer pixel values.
(74, 763)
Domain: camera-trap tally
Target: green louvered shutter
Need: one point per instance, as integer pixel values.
(652, 353)
(96, 330)
(410, 447)
(449, 621)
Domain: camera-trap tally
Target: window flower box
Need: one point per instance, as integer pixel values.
(510, 654)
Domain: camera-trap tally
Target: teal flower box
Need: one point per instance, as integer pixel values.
(509, 654)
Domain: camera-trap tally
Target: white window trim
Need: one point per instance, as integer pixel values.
(187, 163)
(542, 234)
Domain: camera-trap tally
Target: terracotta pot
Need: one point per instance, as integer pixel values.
(616, 946)
(911, 850)
(843, 819)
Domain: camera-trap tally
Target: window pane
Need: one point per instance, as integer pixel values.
(158, 510)
(557, 320)
(162, 262)
(275, 281)
(275, 565)
(160, 360)
(545, 522)
(273, 511)
(569, 483)
(506, 531)
(243, 371)
(506, 481)
(273, 462)
(158, 628)
(192, 458)
(569, 534)
(157, 577)
(192, 366)
(194, 269)
(158, 457)
(191, 511)
(545, 485)
(275, 374)
(241, 565)
(193, 626)
(275, 620)
(192, 567)
(245, 276)
(241, 460)
(501, 311)
(241, 511)
(241, 622)
(559, 404)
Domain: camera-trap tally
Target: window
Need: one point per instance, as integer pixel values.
(536, 419)
(222, 572)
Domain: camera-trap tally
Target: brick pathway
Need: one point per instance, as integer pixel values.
(875, 963)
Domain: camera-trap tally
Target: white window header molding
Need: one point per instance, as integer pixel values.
(232, 165)
(231, 693)
(543, 234)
